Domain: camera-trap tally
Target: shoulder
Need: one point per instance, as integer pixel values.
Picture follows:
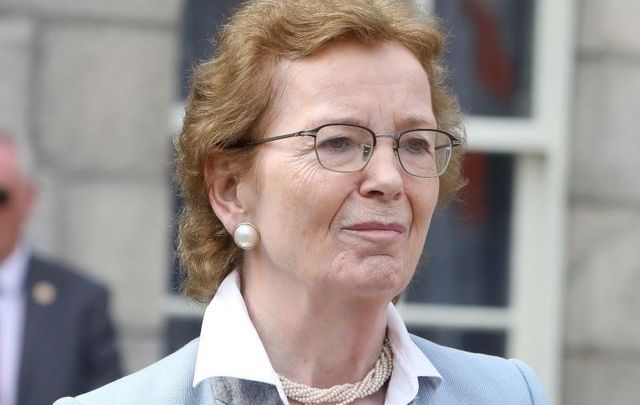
(480, 378)
(66, 278)
(168, 381)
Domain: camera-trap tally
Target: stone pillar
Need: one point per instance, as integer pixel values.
(602, 344)
(91, 83)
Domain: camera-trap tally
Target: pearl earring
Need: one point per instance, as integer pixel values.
(246, 235)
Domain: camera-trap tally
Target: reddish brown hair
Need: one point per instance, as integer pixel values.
(232, 91)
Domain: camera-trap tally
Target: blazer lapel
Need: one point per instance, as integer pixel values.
(235, 391)
(37, 327)
(426, 392)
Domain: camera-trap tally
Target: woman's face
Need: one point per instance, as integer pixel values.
(357, 233)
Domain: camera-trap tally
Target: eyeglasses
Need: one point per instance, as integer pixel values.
(347, 148)
(4, 197)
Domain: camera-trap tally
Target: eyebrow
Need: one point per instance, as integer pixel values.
(330, 116)
(405, 123)
(417, 121)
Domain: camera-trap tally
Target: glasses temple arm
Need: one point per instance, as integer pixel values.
(275, 138)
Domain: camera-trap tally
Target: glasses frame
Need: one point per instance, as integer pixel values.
(396, 138)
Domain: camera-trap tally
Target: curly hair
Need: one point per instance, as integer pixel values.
(232, 92)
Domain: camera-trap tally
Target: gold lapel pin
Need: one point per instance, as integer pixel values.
(44, 293)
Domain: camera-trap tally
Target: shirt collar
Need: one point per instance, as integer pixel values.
(13, 270)
(229, 343)
(230, 347)
(409, 362)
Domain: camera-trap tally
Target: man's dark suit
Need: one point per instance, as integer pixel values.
(68, 341)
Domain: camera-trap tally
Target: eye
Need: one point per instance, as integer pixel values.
(338, 143)
(416, 145)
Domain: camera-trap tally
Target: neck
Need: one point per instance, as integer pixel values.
(7, 249)
(317, 338)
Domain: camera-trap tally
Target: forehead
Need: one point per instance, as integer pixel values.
(348, 81)
(8, 162)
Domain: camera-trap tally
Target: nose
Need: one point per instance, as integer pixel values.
(383, 176)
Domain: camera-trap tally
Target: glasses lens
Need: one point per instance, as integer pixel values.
(344, 148)
(424, 153)
(4, 197)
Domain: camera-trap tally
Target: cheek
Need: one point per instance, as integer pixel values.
(423, 203)
(298, 197)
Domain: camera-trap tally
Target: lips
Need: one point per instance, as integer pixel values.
(377, 226)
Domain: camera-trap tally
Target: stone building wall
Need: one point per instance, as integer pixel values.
(602, 337)
(91, 83)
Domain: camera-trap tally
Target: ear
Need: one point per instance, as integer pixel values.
(222, 189)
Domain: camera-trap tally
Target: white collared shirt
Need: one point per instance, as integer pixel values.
(13, 271)
(230, 347)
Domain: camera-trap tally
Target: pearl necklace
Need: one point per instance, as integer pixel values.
(345, 393)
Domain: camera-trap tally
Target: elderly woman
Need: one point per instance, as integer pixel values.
(317, 143)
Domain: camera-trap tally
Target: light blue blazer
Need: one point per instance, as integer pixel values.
(468, 379)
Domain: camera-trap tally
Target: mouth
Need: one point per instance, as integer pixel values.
(377, 226)
(377, 231)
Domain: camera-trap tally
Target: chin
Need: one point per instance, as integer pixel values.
(376, 277)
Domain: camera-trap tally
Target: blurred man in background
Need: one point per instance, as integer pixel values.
(56, 336)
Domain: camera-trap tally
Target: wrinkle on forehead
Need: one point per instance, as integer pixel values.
(313, 92)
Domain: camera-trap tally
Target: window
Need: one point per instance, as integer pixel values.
(511, 63)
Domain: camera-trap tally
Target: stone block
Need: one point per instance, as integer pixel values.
(16, 41)
(597, 379)
(44, 228)
(105, 98)
(605, 141)
(603, 279)
(145, 10)
(119, 232)
(609, 25)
